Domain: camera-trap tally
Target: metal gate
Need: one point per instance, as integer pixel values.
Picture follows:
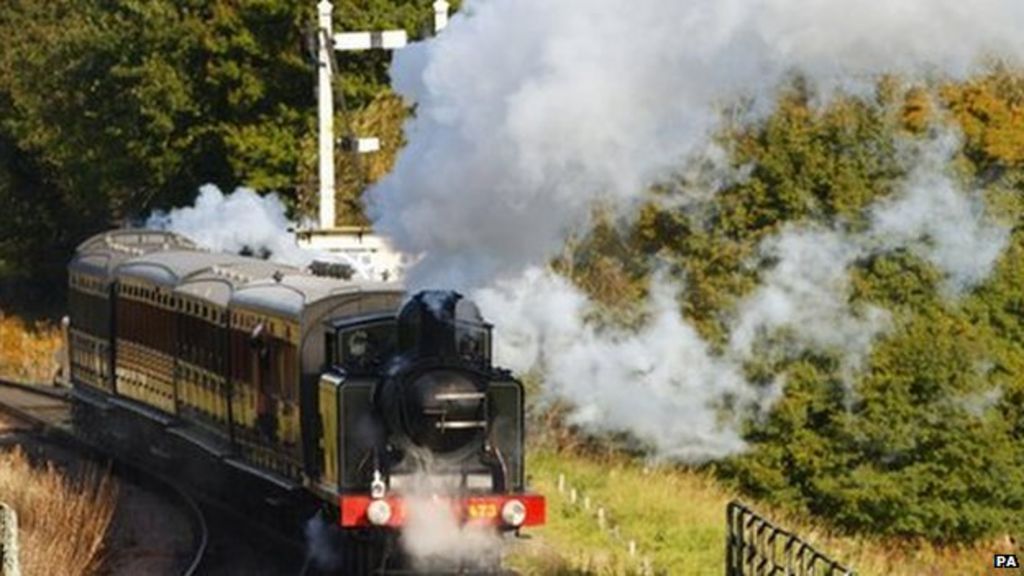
(755, 547)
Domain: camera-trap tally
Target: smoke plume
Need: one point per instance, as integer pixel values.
(671, 389)
(662, 383)
(939, 222)
(807, 292)
(529, 112)
(243, 222)
(323, 544)
(807, 295)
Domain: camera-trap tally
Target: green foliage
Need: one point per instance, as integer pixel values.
(111, 109)
(920, 447)
(925, 440)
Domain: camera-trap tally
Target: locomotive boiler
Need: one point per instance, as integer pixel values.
(295, 394)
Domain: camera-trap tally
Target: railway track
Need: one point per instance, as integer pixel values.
(47, 411)
(223, 538)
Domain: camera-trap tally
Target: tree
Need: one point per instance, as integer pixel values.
(115, 108)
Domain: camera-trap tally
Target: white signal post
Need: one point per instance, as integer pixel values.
(326, 41)
(325, 115)
(354, 241)
(440, 16)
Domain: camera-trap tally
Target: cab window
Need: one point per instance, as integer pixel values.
(364, 347)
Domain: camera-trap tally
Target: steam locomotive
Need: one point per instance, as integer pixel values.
(298, 394)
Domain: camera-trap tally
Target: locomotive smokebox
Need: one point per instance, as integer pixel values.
(434, 395)
(442, 410)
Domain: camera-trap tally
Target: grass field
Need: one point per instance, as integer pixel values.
(677, 518)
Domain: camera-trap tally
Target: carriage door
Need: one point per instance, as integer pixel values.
(266, 411)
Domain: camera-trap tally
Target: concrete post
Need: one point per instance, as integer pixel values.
(9, 565)
(325, 113)
(440, 16)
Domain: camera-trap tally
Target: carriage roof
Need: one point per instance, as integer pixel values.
(102, 253)
(172, 267)
(217, 283)
(289, 295)
(174, 262)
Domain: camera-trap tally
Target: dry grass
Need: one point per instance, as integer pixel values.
(677, 516)
(28, 353)
(62, 523)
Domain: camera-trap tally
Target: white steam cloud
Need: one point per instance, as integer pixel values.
(323, 548)
(940, 223)
(243, 221)
(529, 110)
(669, 388)
(807, 295)
(662, 383)
(435, 538)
